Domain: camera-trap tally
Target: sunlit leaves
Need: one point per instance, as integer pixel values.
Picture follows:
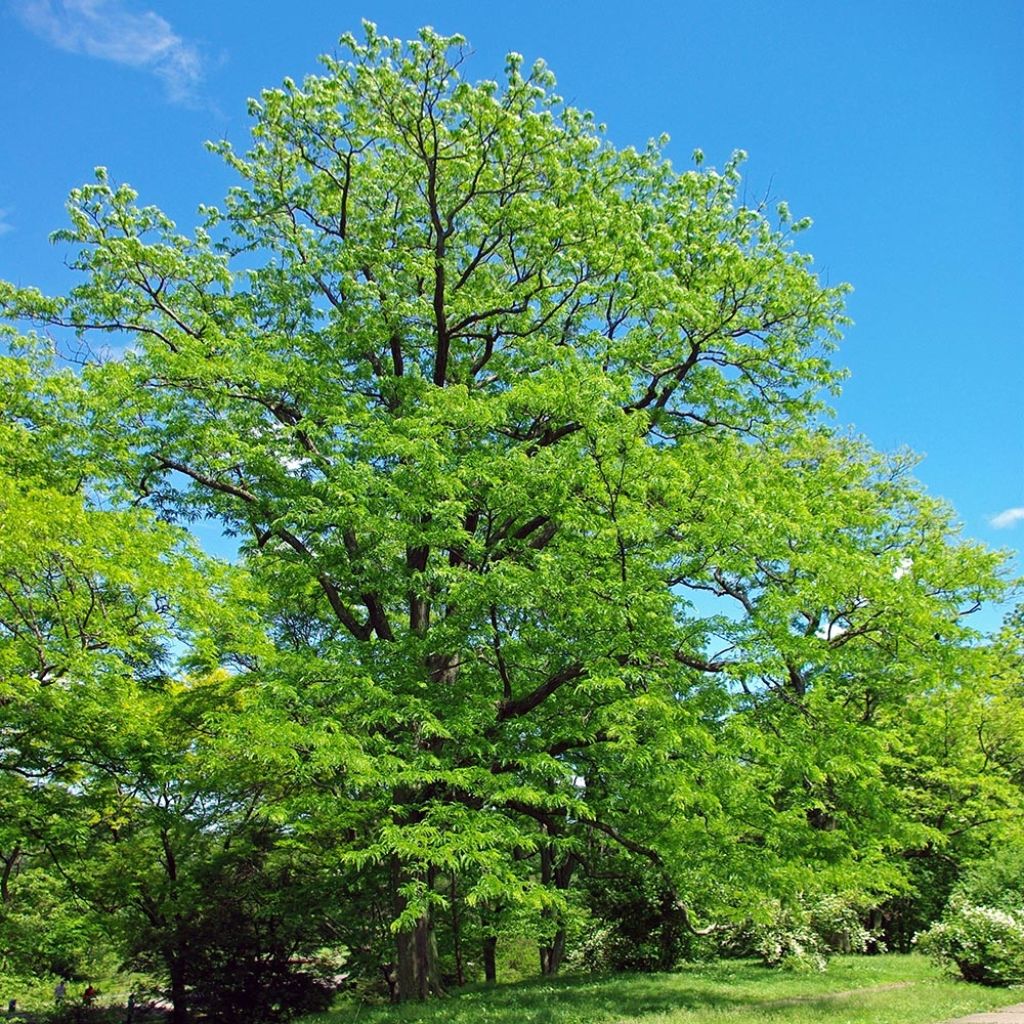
(517, 433)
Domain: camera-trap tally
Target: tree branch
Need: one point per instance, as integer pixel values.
(525, 704)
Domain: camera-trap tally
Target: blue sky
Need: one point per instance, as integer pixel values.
(897, 126)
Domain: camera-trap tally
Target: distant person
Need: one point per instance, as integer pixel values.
(60, 993)
(130, 1015)
(89, 996)
(12, 1007)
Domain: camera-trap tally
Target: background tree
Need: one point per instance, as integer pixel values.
(959, 767)
(122, 827)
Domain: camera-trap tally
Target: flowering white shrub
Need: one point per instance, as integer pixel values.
(984, 944)
(803, 935)
(591, 952)
(791, 944)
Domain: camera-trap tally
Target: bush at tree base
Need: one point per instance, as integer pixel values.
(981, 934)
(985, 944)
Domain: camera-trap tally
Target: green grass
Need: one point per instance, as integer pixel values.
(855, 990)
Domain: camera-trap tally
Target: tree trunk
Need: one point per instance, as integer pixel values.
(9, 864)
(415, 948)
(551, 871)
(490, 961)
(428, 978)
(179, 998)
(405, 959)
(430, 971)
(551, 956)
(460, 973)
(405, 947)
(422, 959)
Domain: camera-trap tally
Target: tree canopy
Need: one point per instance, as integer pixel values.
(545, 553)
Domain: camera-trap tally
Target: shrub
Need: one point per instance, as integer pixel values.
(633, 923)
(592, 952)
(802, 936)
(986, 944)
(788, 941)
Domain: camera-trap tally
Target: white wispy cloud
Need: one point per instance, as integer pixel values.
(5, 223)
(1008, 517)
(113, 30)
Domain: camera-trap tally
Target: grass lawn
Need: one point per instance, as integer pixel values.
(855, 990)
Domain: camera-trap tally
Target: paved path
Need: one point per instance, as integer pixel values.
(1007, 1015)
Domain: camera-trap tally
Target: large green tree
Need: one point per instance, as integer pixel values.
(489, 404)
